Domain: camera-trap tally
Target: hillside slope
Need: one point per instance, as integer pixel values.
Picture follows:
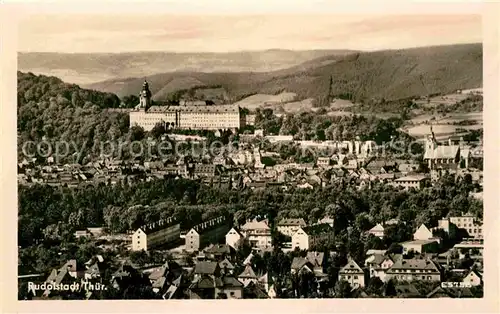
(391, 74)
(82, 68)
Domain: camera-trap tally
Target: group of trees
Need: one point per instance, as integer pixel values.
(318, 126)
(50, 212)
(56, 112)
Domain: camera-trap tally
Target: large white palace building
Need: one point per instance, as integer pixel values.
(208, 117)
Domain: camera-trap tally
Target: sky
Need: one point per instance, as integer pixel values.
(86, 33)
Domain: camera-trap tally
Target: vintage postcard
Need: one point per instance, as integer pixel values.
(170, 156)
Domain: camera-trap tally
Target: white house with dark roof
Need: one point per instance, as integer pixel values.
(257, 233)
(353, 274)
(289, 226)
(233, 237)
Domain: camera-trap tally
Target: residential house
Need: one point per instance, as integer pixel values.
(473, 279)
(468, 223)
(317, 261)
(247, 276)
(233, 238)
(289, 226)
(210, 231)
(326, 220)
(420, 246)
(353, 274)
(257, 233)
(470, 246)
(422, 233)
(377, 230)
(323, 162)
(378, 264)
(159, 233)
(416, 181)
(226, 266)
(218, 252)
(94, 267)
(414, 269)
(309, 236)
(210, 283)
(82, 234)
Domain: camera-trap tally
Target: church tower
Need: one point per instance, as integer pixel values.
(145, 96)
(430, 143)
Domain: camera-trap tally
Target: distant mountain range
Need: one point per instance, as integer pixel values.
(85, 68)
(390, 74)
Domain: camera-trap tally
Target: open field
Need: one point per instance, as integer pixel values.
(439, 129)
(264, 100)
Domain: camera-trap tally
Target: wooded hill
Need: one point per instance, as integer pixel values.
(390, 74)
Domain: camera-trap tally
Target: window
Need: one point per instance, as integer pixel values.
(355, 277)
(423, 277)
(348, 277)
(429, 277)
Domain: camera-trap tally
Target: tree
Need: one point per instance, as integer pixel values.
(158, 130)
(343, 289)
(136, 133)
(375, 286)
(390, 289)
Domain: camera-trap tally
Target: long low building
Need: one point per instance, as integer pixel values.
(212, 231)
(201, 117)
(156, 234)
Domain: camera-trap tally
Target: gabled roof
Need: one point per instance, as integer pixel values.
(407, 291)
(317, 229)
(235, 230)
(218, 249)
(292, 222)
(299, 262)
(423, 228)
(248, 273)
(377, 228)
(351, 267)
(414, 263)
(158, 273)
(231, 282)
(377, 259)
(226, 264)
(248, 260)
(451, 292)
(316, 258)
(159, 283)
(205, 267)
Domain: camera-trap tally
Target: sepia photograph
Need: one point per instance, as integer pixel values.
(171, 156)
